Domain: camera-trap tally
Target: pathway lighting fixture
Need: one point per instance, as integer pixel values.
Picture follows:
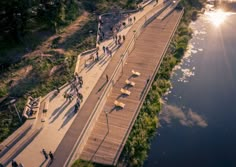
(106, 112)
(13, 102)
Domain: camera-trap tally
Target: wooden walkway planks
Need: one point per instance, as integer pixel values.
(103, 146)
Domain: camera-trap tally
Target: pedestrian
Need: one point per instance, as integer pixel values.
(107, 50)
(130, 20)
(51, 156)
(134, 18)
(148, 79)
(123, 37)
(14, 163)
(119, 42)
(97, 58)
(107, 77)
(70, 97)
(81, 97)
(80, 78)
(81, 83)
(124, 24)
(104, 49)
(76, 107)
(45, 153)
(65, 95)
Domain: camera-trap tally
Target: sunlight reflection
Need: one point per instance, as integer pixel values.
(217, 17)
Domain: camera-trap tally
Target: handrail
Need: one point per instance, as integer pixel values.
(143, 22)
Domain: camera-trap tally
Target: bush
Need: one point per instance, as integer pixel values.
(3, 91)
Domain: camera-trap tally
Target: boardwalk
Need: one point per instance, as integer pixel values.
(109, 134)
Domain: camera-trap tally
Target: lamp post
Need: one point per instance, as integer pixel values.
(106, 112)
(122, 57)
(13, 102)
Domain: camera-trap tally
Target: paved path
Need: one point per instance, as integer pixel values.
(60, 115)
(111, 130)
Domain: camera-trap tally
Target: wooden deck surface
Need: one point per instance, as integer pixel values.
(109, 134)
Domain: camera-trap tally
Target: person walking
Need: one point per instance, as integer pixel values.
(97, 58)
(107, 77)
(51, 156)
(107, 51)
(134, 18)
(130, 20)
(70, 97)
(81, 83)
(104, 49)
(80, 96)
(123, 38)
(45, 153)
(77, 105)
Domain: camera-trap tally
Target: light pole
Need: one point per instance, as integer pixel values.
(122, 57)
(106, 112)
(13, 102)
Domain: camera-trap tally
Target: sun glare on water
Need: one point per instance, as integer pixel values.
(217, 17)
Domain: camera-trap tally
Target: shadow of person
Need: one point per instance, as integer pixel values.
(42, 164)
(59, 111)
(69, 115)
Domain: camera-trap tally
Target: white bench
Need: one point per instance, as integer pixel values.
(128, 82)
(119, 104)
(124, 91)
(135, 73)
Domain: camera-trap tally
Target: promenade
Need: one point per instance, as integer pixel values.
(105, 146)
(112, 128)
(60, 118)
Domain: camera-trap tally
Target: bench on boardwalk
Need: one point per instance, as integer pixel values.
(136, 73)
(119, 104)
(124, 91)
(128, 82)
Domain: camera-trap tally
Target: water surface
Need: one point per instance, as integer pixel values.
(198, 121)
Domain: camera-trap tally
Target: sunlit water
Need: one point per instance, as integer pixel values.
(198, 121)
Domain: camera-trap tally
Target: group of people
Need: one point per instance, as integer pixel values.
(75, 85)
(48, 154)
(118, 38)
(107, 51)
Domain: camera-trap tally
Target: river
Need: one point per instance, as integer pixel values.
(198, 119)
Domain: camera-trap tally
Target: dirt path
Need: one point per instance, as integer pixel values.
(67, 32)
